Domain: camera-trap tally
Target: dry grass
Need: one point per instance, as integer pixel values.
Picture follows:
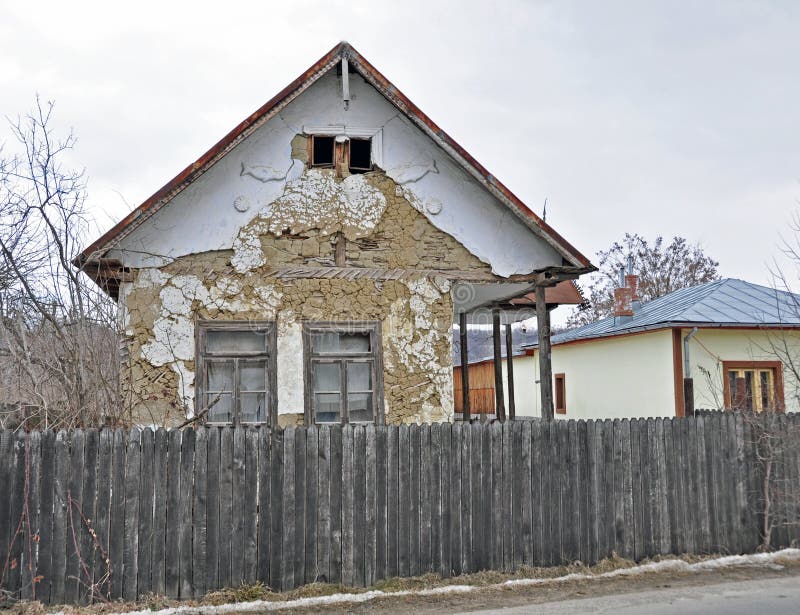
(259, 591)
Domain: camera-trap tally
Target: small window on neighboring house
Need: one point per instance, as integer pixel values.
(561, 394)
(322, 151)
(753, 385)
(360, 155)
(343, 373)
(236, 372)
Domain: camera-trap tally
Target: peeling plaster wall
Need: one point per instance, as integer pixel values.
(260, 174)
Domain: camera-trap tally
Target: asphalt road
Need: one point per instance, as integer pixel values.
(769, 596)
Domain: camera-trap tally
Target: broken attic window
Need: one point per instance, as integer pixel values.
(322, 151)
(360, 155)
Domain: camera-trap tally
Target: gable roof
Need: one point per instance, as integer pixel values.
(727, 302)
(572, 257)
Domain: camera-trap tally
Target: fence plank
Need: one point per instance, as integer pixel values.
(130, 551)
(508, 476)
(199, 520)
(348, 573)
(336, 504)
(7, 439)
(551, 494)
(702, 470)
(359, 497)
(86, 514)
(537, 497)
(393, 497)
(74, 576)
(661, 490)
(214, 446)
(425, 498)
(414, 501)
(467, 518)
(629, 536)
(145, 528)
(264, 503)
(185, 514)
(446, 466)
(381, 492)
(289, 536)
(46, 490)
(116, 541)
(225, 553)
(370, 501)
(30, 545)
(435, 491)
(299, 505)
(495, 496)
(456, 519)
(478, 500)
(517, 488)
(277, 437)
(323, 555)
(573, 511)
(404, 504)
(238, 487)
(173, 538)
(250, 495)
(158, 550)
(311, 505)
(527, 495)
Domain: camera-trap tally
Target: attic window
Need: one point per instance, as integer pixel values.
(360, 155)
(322, 151)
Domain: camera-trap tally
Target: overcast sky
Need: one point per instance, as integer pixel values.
(650, 117)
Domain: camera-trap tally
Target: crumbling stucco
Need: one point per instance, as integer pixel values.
(382, 230)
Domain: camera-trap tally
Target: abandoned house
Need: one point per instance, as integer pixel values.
(310, 266)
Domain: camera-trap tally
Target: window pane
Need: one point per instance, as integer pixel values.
(236, 341)
(359, 406)
(220, 376)
(359, 376)
(327, 407)
(253, 406)
(335, 342)
(326, 377)
(219, 407)
(748, 387)
(253, 375)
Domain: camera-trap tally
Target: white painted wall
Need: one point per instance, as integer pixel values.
(710, 347)
(203, 217)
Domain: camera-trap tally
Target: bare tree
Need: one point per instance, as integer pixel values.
(662, 268)
(58, 342)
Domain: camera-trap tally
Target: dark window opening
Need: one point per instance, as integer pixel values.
(561, 394)
(322, 151)
(360, 155)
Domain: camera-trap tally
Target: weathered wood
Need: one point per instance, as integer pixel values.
(435, 496)
(494, 494)
(311, 505)
(144, 557)
(545, 364)
(239, 487)
(462, 330)
(74, 572)
(517, 487)
(116, 540)
(213, 507)
(456, 518)
(225, 542)
(60, 495)
(425, 499)
(264, 501)
(393, 498)
(277, 438)
(359, 498)
(323, 556)
(6, 479)
(185, 502)
(29, 553)
(499, 397)
(537, 493)
(446, 547)
(336, 505)
(629, 536)
(381, 492)
(609, 538)
(704, 542)
(289, 517)
(466, 500)
(528, 520)
(159, 524)
(130, 551)
(414, 502)
(636, 489)
(512, 407)
(478, 503)
(172, 551)
(583, 490)
(47, 493)
(347, 505)
(199, 520)
(573, 511)
(370, 504)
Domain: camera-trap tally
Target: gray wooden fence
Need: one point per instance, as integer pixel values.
(181, 513)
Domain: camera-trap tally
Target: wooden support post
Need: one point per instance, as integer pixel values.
(512, 411)
(545, 366)
(499, 404)
(462, 332)
(688, 397)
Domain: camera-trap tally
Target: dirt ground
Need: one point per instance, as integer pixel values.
(494, 598)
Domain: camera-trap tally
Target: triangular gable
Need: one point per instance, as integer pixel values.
(573, 259)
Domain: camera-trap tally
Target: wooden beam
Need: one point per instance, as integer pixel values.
(499, 405)
(545, 364)
(462, 332)
(512, 411)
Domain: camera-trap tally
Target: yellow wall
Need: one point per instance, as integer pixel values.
(607, 378)
(710, 347)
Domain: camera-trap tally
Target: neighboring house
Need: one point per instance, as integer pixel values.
(309, 267)
(738, 342)
(480, 350)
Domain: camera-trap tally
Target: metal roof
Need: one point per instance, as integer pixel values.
(480, 344)
(727, 302)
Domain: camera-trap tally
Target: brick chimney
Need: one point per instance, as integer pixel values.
(623, 296)
(632, 282)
